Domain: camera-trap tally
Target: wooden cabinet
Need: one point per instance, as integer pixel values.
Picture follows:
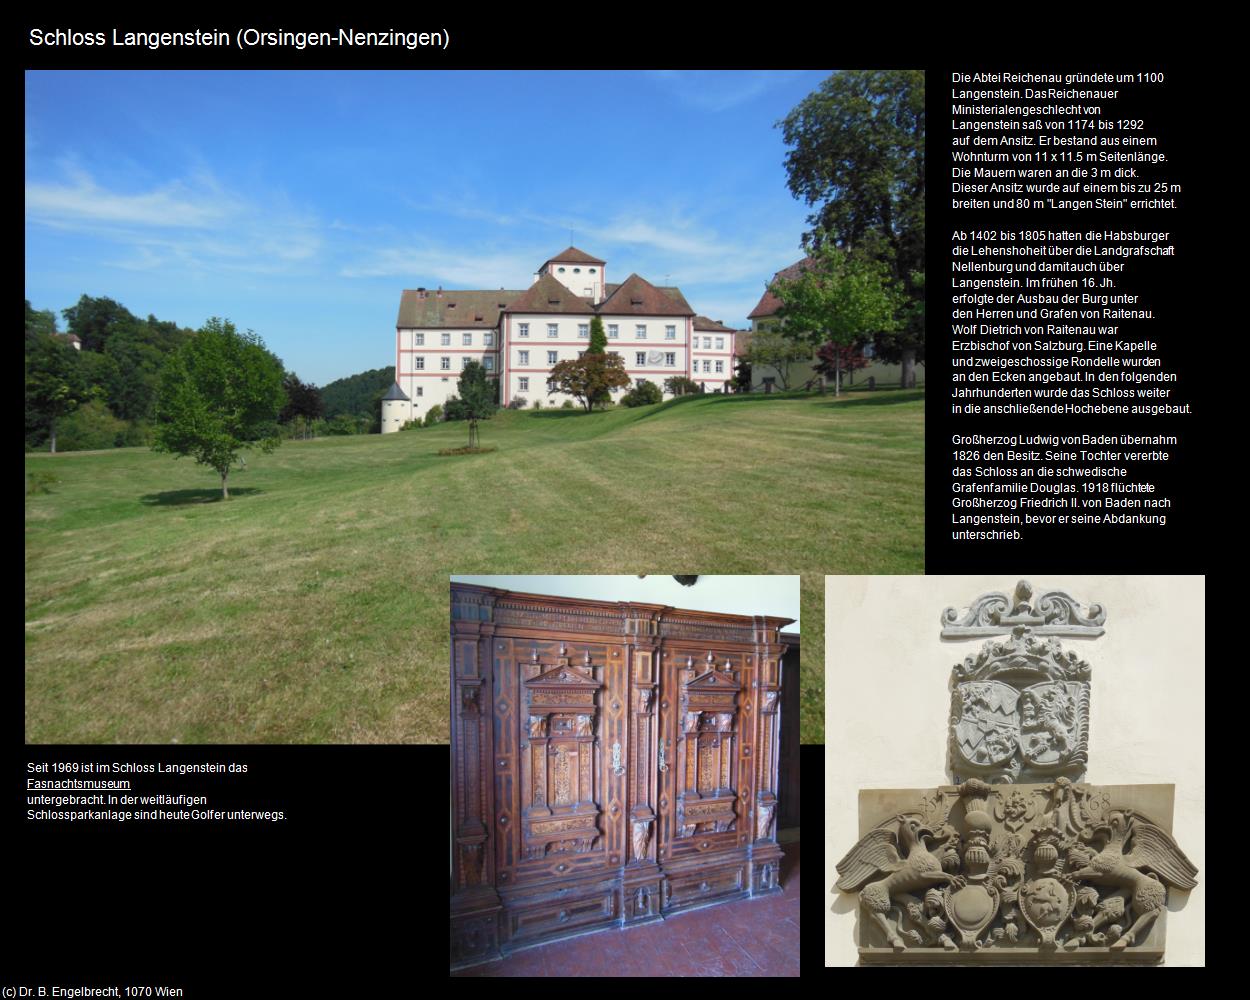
(611, 763)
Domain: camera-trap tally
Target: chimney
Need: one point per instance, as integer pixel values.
(439, 293)
(420, 293)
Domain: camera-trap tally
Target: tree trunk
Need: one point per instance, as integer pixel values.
(472, 433)
(909, 368)
(225, 493)
(54, 438)
(837, 375)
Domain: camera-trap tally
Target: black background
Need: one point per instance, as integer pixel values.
(1177, 288)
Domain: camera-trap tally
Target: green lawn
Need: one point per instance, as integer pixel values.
(312, 606)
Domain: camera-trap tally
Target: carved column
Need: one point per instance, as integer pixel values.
(765, 854)
(475, 904)
(640, 883)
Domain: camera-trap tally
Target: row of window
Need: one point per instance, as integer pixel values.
(488, 339)
(640, 360)
(583, 332)
(614, 331)
(523, 385)
(418, 363)
(523, 359)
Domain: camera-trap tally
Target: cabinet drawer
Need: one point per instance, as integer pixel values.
(688, 890)
(560, 917)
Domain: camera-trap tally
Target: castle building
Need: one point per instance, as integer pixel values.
(519, 335)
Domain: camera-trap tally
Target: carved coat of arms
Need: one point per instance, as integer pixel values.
(1019, 711)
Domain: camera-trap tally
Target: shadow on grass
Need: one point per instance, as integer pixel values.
(180, 498)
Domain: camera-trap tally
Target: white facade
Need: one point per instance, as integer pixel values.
(886, 709)
(711, 355)
(642, 341)
(518, 336)
(584, 278)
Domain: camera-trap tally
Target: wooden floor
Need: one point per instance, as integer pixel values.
(752, 937)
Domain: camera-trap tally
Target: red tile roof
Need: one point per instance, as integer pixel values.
(769, 303)
(575, 256)
(711, 325)
(453, 308)
(548, 295)
(638, 297)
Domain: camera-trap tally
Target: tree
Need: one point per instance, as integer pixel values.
(589, 377)
(55, 385)
(599, 345)
(39, 321)
(96, 320)
(680, 385)
(479, 399)
(833, 359)
(643, 394)
(742, 375)
(778, 351)
(858, 153)
(598, 339)
(303, 402)
(838, 299)
(219, 394)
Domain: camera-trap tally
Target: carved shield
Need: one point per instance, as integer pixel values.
(1046, 903)
(1049, 721)
(988, 725)
(971, 908)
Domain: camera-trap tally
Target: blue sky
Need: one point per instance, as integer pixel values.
(300, 204)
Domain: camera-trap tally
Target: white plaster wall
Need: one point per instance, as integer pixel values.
(734, 595)
(568, 345)
(887, 674)
(580, 281)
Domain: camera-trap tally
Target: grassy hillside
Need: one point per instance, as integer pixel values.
(312, 607)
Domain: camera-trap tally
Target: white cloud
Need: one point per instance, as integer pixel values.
(83, 200)
(455, 268)
(193, 223)
(719, 90)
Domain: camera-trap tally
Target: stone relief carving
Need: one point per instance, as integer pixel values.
(1020, 711)
(1053, 613)
(1018, 856)
(1055, 869)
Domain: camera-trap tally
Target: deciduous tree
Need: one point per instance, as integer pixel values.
(837, 298)
(858, 155)
(774, 349)
(303, 402)
(55, 385)
(478, 399)
(219, 394)
(589, 377)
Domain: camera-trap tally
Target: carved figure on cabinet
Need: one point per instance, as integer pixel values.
(905, 857)
(642, 838)
(765, 820)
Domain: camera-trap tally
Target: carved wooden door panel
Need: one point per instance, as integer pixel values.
(612, 763)
(708, 729)
(557, 768)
